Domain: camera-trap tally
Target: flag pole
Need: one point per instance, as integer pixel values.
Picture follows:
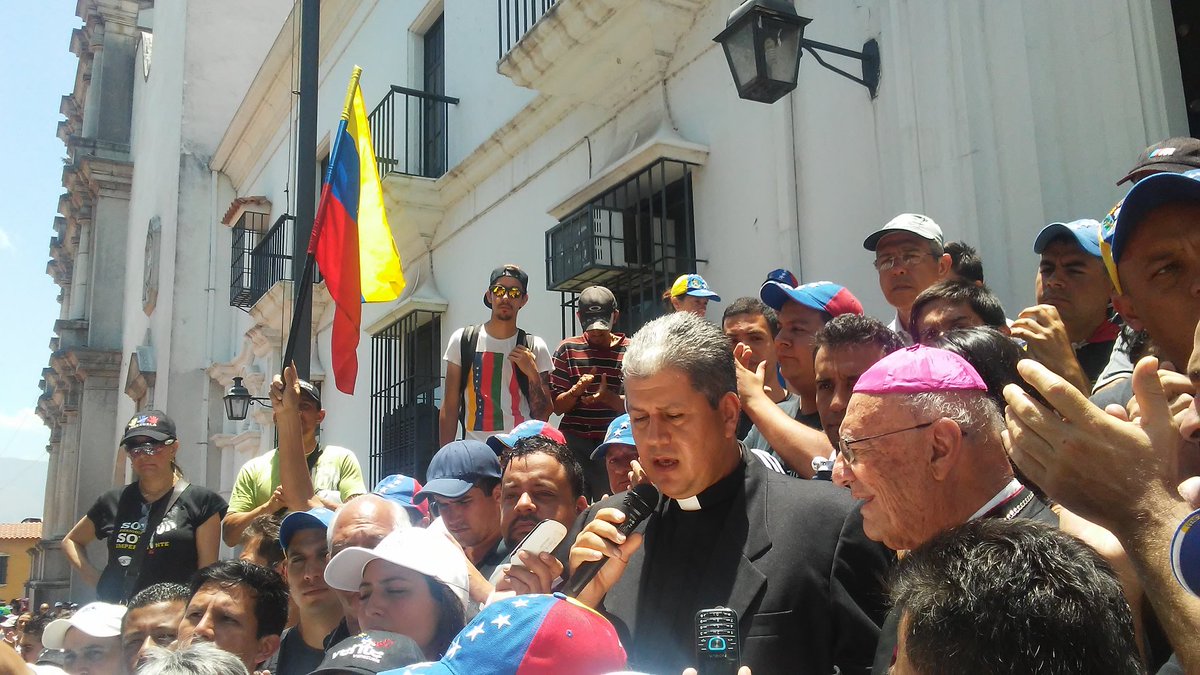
(303, 293)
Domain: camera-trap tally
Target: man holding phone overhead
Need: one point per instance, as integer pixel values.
(540, 480)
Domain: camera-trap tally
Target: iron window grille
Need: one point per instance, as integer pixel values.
(261, 257)
(405, 387)
(634, 239)
(409, 132)
(516, 17)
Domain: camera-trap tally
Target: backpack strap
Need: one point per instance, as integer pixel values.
(466, 359)
(523, 338)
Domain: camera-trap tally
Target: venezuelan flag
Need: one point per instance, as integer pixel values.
(351, 240)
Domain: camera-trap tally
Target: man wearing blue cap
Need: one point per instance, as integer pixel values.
(464, 484)
(1070, 329)
(301, 647)
(618, 452)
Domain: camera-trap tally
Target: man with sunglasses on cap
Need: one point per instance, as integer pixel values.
(586, 381)
(497, 375)
(301, 472)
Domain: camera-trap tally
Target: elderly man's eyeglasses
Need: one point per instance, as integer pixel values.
(145, 449)
(512, 292)
(845, 445)
(910, 259)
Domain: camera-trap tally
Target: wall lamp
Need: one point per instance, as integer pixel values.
(763, 42)
(238, 400)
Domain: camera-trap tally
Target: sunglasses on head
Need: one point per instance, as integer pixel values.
(512, 292)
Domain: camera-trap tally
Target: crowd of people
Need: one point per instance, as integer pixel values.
(801, 488)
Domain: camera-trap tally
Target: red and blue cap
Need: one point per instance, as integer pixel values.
(527, 429)
(823, 296)
(401, 489)
(531, 635)
(620, 432)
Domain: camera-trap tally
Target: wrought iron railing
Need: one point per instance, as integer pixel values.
(410, 132)
(261, 257)
(516, 18)
(405, 378)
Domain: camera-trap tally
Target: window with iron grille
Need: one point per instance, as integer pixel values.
(262, 256)
(405, 381)
(3, 569)
(247, 233)
(633, 239)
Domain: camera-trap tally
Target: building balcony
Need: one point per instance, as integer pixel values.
(409, 132)
(597, 51)
(261, 257)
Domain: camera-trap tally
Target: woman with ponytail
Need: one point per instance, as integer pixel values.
(159, 528)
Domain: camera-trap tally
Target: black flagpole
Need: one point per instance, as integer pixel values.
(299, 344)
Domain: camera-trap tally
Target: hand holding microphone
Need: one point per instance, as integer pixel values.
(609, 537)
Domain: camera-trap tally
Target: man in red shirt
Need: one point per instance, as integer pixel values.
(586, 382)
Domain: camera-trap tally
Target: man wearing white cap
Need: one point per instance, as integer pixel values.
(910, 256)
(90, 639)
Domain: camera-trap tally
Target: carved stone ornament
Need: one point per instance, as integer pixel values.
(150, 272)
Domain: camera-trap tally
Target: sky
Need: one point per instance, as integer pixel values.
(39, 69)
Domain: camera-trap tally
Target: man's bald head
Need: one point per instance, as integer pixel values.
(365, 521)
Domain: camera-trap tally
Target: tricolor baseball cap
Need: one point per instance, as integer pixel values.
(1085, 232)
(919, 369)
(151, 424)
(620, 432)
(922, 226)
(531, 635)
(1176, 155)
(417, 549)
(693, 285)
(1145, 196)
(402, 490)
(312, 519)
(455, 468)
(370, 652)
(823, 296)
(98, 619)
(527, 429)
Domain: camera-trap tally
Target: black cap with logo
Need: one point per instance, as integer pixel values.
(151, 424)
(596, 305)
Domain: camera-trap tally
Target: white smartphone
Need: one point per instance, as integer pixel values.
(543, 538)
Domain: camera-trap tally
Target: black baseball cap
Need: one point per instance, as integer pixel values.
(371, 652)
(310, 390)
(1174, 155)
(152, 424)
(506, 271)
(596, 307)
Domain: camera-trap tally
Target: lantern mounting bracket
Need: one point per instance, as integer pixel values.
(869, 57)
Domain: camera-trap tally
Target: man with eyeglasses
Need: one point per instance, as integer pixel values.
(497, 375)
(920, 447)
(910, 256)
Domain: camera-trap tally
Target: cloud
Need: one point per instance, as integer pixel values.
(5, 241)
(23, 435)
(23, 418)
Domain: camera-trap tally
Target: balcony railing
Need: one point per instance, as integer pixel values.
(260, 258)
(409, 132)
(516, 18)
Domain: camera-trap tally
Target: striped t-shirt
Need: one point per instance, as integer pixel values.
(574, 358)
(494, 403)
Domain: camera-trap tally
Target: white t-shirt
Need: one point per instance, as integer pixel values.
(494, 403)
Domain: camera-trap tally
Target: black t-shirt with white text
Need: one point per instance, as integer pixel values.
(171, 554)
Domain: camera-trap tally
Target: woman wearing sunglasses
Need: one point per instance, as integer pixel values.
(158, 528)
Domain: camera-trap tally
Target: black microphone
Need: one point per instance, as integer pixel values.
(640, 502)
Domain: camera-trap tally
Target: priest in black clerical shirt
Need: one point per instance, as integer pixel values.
(788, 555)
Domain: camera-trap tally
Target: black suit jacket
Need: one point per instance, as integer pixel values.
(793, 562)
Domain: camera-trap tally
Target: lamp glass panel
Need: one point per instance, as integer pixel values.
(739, 49)
(781, 48)
(236, 407)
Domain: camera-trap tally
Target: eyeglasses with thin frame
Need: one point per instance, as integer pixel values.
(848, 453)
(511, 291)
(910, 259)
(149, 449)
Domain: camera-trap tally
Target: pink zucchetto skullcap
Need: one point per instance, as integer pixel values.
(919, 369)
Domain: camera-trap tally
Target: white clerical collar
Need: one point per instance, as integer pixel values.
(1014, 486)
(689, 503)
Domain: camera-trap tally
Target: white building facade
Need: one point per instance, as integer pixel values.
(605, 142)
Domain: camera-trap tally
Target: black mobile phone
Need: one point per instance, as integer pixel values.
(718, 645)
